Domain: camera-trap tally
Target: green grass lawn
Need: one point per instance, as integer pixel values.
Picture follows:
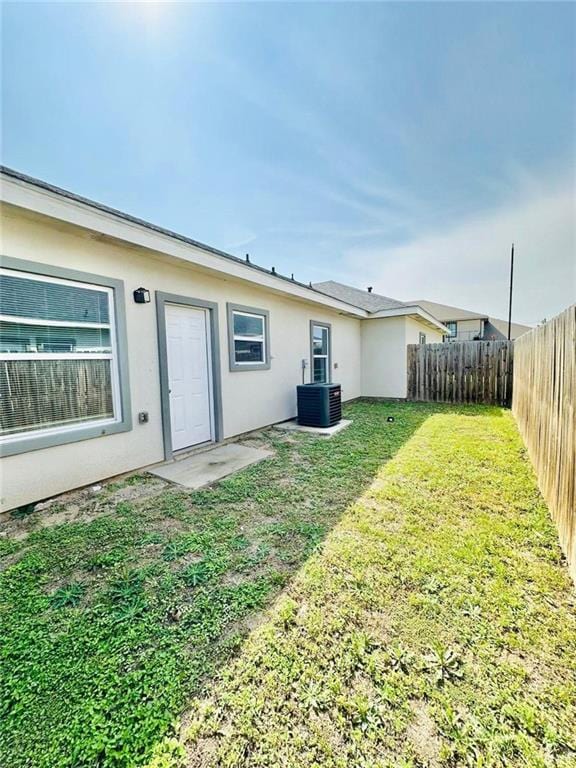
(422, 620)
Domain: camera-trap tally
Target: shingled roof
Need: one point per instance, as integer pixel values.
(371, 302)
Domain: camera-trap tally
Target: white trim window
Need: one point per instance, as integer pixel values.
(320, 342)
(58, 356)
(249, 338)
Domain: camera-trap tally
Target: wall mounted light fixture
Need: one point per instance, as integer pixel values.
(142, 296)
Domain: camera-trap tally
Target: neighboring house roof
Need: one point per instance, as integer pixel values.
(517, 329)
(371, 302)
(376, 305)
(445, 313)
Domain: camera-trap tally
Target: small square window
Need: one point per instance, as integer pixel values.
(248, 338)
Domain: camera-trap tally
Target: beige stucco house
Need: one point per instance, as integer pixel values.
(123, 344)
(464, 325)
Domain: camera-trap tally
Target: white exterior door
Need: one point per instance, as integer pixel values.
(189, 380)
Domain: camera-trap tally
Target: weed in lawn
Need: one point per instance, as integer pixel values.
(67, 596)
(399, 658)
(183, 545)
(199, 573)
(444, 664)
(105, 559)
(126, 595)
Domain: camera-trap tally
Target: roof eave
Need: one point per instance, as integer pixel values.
(45, 199)
(412, 311)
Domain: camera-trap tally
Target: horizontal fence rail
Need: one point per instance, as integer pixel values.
(461, 372)
(544, 407)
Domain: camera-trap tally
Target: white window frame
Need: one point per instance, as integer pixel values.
(264, 338)
(46, 432)
(328, 356)
(241, 337)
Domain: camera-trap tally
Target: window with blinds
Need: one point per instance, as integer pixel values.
(58, 359)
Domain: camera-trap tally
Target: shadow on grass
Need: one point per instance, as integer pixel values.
(111, 625)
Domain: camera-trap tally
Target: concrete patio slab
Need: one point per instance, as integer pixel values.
(293, 426)
(207, 467)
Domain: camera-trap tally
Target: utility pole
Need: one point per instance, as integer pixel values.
(510, 299)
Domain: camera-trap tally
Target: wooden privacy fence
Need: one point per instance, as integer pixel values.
(544, 407)
(35, 394)
(461, 372)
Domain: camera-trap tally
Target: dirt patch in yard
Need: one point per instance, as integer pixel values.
(203, 755)
(78, 506)
(256, 440)
(424, 736)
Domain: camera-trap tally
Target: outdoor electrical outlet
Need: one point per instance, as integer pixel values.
(143, 417)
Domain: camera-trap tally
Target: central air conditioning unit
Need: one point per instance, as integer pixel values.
(319, 405)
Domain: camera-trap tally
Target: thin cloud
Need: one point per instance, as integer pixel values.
(241, 240)
(467, 264)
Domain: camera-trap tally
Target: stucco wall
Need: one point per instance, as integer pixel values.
(414, 328)
(250, 399)
(384, 356)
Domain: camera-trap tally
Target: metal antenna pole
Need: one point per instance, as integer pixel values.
(510, 299)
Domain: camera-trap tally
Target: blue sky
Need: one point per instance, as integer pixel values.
(402, 146)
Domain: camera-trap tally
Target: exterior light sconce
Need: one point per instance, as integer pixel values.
(142, 296)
